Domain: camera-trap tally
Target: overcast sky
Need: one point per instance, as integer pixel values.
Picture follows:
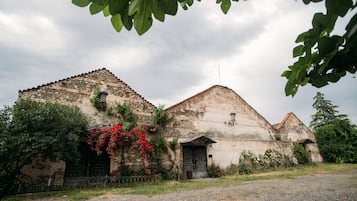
(44, 41)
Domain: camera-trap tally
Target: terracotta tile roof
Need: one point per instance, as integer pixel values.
(83, 74)
(223, 87)
(278, 126)
(286, 117)
(192, 97)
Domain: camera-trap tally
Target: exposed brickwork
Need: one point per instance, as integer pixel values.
(78, 91)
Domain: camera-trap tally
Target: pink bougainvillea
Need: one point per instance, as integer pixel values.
(114, 140)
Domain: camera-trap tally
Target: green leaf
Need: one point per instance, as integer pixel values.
(142, 23)
(286, 74)
(305, 81)
(320, 22)
(338, 7)
(118, 6)
(116, 22)
(81, 3)
(142, 17)
(168, 6)
(134, 7)
(94, 8)
(159, 15)
(106, 11)
(100, 2)
(291, 88)
(308, 1)
(301, 37)
(127, 20)
(225, 5)
(326, 45)
(298, 50)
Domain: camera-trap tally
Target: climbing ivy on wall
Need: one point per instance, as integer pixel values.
(129, 118)
(160, 117)
(95, 100)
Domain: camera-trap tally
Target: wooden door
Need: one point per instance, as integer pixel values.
(195, 161)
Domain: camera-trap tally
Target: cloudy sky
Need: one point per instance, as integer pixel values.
(44, 41)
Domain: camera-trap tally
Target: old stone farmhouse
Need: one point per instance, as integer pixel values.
(217, 125)
(213, 126)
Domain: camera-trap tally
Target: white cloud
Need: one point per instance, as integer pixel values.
(43, 41)
(32, 33)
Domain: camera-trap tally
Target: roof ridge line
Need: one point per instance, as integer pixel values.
(217, 85)
(87, 73)
(61, 80)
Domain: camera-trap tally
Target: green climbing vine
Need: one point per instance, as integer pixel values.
(130, 119)
(95, 100)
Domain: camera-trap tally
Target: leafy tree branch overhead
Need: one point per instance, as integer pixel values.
(321, 57)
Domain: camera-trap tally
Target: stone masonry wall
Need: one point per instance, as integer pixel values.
(78, 91)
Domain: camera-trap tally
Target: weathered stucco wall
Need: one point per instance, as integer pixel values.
(314, 151)
(45, 171)
(218, 113)
(227, 152)
(209, 113)
(293, 130)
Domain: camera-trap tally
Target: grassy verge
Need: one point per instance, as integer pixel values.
(173, 186)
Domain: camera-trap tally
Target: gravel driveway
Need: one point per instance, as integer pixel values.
(333, 186)
(340, 186)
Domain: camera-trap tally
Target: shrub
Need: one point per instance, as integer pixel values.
(248, 161)
(232, 170)
(214, 170)
(31, 129)
(245, 168)
(338, 141)
(301, 154)
(274, 158)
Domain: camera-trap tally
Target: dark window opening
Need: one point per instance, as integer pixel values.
(89, 164)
